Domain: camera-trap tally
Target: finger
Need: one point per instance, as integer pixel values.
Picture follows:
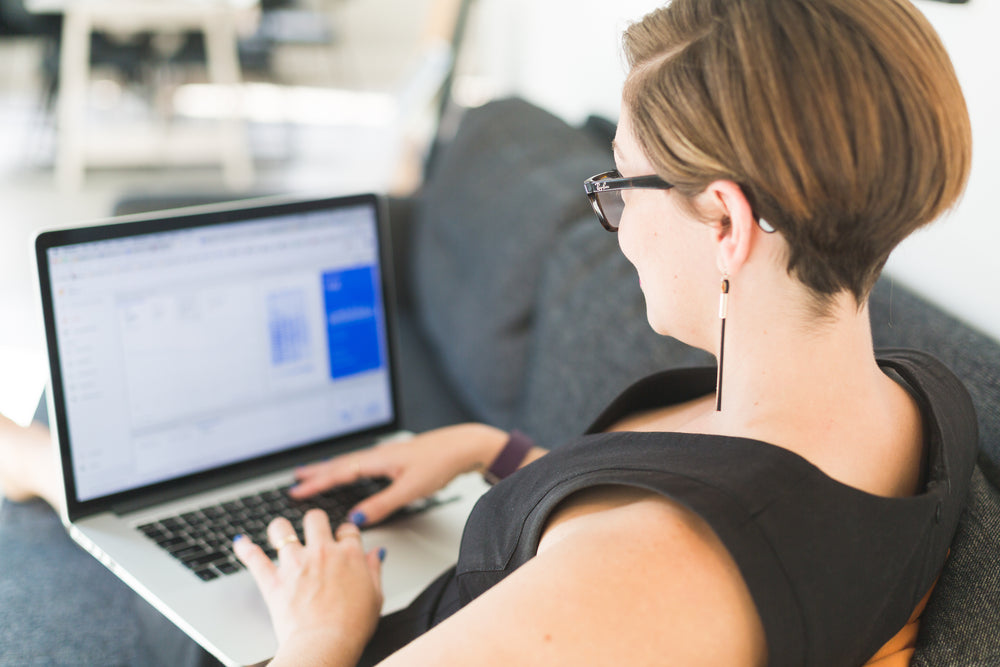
(380, 505)
(320, 478)
(256, 561)
(375, 558)
(281, 534)
(319, 468)
(347, 532)
(340, 470)
(309, 469)
(316, 526)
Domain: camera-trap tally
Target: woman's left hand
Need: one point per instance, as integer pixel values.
(324, 597)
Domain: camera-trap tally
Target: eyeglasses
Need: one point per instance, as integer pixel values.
(605, 194)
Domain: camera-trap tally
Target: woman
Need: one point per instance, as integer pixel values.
(783, 147)
(791, 507)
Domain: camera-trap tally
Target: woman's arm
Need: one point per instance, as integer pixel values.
(634, 580)
(418, 467)
(642, 583)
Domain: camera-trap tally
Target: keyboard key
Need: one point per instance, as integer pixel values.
(205, 558)
(172, 542)
(173, 523)
(157, 535)
(215, 543)
(228, 567)
(191, 551)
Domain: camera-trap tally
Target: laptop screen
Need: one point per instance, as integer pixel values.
(188, 349)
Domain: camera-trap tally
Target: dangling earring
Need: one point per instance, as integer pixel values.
(723, 307)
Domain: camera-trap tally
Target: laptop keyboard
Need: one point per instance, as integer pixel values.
(203, 539)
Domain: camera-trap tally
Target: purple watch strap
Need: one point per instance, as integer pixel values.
(510, 457)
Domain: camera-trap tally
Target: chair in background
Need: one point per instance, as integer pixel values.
(385, 132)
(80, 146)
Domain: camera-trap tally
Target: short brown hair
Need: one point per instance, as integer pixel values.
(842, 120)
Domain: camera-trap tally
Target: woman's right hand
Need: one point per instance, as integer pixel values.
(418, 467)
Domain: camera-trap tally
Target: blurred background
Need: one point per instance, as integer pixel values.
(102, 101)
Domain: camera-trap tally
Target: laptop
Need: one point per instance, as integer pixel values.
(196, 357)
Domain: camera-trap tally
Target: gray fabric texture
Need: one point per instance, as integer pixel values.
(961, 625)
(49, 589)
(590, 339)
(59, 606)
(900, 318)
(488, 216)
(426, 398)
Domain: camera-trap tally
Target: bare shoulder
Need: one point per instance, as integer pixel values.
(629, 580)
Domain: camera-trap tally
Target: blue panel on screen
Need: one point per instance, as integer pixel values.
(351, 323)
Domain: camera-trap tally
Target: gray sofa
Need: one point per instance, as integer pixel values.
(516, 308)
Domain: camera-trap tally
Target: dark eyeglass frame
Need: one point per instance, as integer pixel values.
(609, 181)
(612, 180)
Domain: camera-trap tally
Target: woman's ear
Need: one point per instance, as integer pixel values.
(735, 239)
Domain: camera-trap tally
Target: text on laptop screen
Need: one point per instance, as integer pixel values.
(186, 350)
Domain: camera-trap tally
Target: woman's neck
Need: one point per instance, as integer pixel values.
(772, 356)
(818, 391)
(789, 372)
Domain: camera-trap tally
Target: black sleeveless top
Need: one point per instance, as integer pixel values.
(834, 572)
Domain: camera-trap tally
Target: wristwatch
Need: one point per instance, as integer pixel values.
(510, 457)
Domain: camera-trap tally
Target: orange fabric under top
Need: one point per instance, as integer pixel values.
(898, 651)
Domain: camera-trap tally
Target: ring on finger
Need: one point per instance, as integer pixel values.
(347, 530)
(285, 541)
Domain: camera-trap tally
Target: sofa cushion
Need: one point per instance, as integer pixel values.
(591, 339)
(497, 198)
(427, 399)
(60, 606)
(961, 625)
(900, 318)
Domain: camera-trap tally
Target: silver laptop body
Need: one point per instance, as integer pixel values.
(196, 357)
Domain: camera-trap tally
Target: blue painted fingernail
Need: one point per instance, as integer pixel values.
(239, 537)
(358, 519)
(381, 554)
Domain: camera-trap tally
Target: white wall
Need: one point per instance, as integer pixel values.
(952, 262)
(564, 55)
